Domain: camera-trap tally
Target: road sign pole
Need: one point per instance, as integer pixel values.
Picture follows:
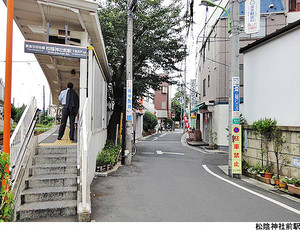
(234, 73)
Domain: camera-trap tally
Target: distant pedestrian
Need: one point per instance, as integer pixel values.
(70, 102)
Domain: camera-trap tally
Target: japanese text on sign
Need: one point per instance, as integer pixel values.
(129, 101)
(235, 100)
(55, 49)
(236, 150)
(252, 16)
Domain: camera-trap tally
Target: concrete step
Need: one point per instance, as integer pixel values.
(54, 159)
(57, 149)
(49, 194)
(43, 169)
(54, 180)
(47, 209)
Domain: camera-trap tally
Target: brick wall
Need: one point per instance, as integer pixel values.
(159, 97)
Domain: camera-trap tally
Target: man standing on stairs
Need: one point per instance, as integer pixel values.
(70, 102)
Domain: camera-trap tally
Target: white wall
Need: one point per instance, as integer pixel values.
(272, 81)
(220, 123)
(293, 16)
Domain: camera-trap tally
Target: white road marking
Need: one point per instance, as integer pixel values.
(155, 138)
(174, 153)
(250, 191)
(147, 153)
(159, 152)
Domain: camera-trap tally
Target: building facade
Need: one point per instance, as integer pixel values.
(213, 65)
(162, 103)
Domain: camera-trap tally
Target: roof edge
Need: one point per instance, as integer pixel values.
(283, 30)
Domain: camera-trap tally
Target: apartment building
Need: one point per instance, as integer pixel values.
(213, 62)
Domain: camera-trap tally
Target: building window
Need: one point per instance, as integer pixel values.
(164, 90)
(164, 104)
(204, 87)
(292, 5)
(208, 81)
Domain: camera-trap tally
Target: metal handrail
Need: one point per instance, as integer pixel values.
(83, 155)
(21, 137)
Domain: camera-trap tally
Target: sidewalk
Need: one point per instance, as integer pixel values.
(246, 179)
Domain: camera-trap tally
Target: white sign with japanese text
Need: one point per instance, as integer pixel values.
(252, 16)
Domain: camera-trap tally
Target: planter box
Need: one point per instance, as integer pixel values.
(293, 189)
(263, 179)
(246, 173)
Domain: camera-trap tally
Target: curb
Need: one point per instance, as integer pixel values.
(109, 172)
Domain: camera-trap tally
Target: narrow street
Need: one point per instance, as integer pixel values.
(168, 181)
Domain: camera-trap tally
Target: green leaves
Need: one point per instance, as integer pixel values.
(157, 42)
(108, 154)
(6, 198)
(149, 121)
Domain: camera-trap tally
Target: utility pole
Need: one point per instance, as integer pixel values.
(233, 115)
(131, 4)
(8, 71)
(44, 100)
(184, 93)
(234, 73)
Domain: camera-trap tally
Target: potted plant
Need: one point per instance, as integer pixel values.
(283, 183)
(273, 182)
(267, 172)
(294, 186)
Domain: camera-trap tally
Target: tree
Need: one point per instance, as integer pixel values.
(157, 45)
(176, 103)
(149, 121)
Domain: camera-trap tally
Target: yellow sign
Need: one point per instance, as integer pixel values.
(193, 117)
(236, 149)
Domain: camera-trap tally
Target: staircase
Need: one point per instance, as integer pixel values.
(51, 187)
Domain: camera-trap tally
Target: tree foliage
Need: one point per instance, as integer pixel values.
(176, 103)
(158, 45)
(149, 121)
(16, 113)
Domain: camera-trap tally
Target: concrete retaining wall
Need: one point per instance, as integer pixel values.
(252, 150)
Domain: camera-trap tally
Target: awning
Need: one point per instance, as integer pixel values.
(195, 109)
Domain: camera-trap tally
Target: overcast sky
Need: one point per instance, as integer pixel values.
(28, 78)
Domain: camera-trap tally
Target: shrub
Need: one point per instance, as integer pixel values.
(108, 154)
(150, 121)
(6, 198)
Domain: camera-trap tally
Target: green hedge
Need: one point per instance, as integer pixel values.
(6, 198)
(108, 154)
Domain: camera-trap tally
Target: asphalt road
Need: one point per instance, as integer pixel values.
(167, 182)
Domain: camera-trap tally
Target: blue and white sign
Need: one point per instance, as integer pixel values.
(129, 101)
(235, 100)
(252, 16)
(296, 162)
(181, 100)
(54, 49)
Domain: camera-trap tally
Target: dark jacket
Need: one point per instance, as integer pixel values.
(72, 102)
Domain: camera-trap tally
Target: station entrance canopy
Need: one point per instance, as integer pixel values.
(83, 24)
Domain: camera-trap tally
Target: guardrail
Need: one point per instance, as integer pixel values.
(21, 137)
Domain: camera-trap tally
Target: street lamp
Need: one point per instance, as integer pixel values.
(233, 107)
(210, 3)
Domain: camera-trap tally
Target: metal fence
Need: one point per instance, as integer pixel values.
(21, 136)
